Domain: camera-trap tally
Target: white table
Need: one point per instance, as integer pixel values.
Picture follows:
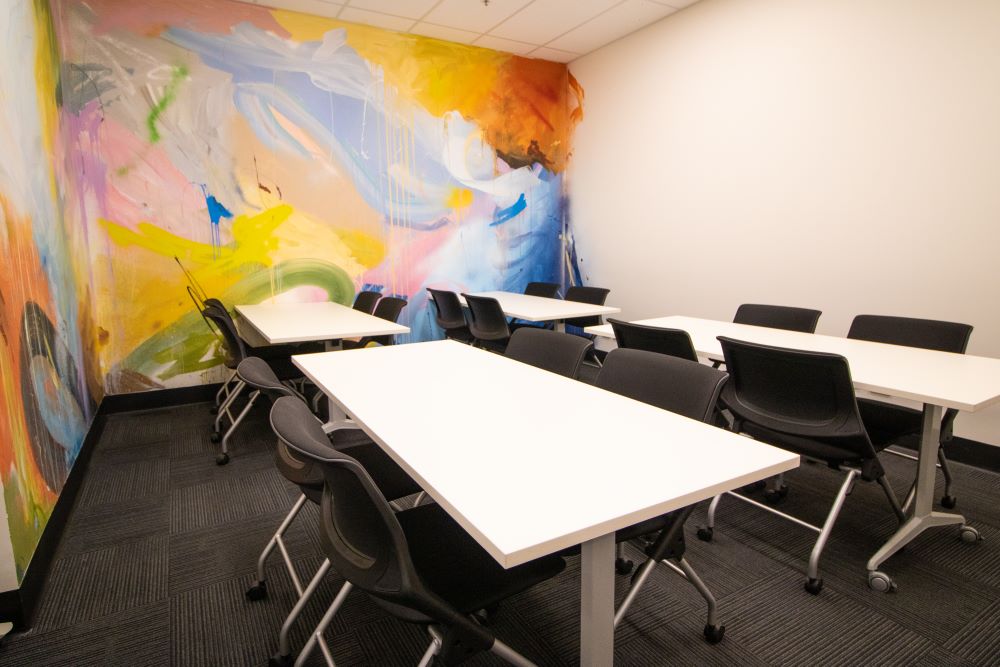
(543, 309)
(938, 380)
(316, 321)
(530, 462)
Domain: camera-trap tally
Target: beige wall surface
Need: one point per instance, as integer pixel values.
(835, 154)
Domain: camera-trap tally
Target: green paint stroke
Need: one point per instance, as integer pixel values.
(169, 94)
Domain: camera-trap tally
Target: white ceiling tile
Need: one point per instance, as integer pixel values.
(314, 7)
(555, 55)
(473, 14)
(445, 33)
(508, 45)
(544, 20)
(617, 22)
(413, 9)
(377, 19)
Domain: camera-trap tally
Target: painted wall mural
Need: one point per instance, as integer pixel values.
(49, 380)
(286, 156)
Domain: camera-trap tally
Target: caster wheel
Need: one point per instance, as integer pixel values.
(215, 437)
(881, 582)
(222, 459)
(623, 566)
(487, 615)
(814, 586)
(705, 534)
(279, 661)
(257, 592)
(949, 502)
(775, 496)
(714, 633)
(970, 535)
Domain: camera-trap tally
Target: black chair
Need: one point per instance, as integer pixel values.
(686, 388)
(778, 317)
(582, 294)
(487, 323)
(449, 316)
(388, 308)
(887, 423)
(344, 436)
(365, 301)
(803, 402)
(673, 342)
(547, 290)
(418, 564)
(549, 350)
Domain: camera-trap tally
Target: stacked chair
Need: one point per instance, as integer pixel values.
(449, 316)
(365, 301)
(487, 323)
(388, 308)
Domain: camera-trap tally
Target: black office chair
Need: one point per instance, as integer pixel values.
(449, 316)
(803, 402)
(365, 301)
(418, 564)
(778, 317)
(388, 308)
(549, 350)
(686, 388)
(887, 423)
(673, 342)
(583, 294)
(487, 323)
(546, 290)
(344, 436)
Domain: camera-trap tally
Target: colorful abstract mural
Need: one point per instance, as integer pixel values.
(289, 157)
(48, 375)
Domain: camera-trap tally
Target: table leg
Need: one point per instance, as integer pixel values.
(597, 601)
(922, 515)
(559, 325)
(334, 413)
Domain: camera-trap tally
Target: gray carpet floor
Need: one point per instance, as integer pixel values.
(162, 543)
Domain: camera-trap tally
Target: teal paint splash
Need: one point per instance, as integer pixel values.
(169, 95)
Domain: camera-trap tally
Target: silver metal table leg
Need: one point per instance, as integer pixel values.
(597, 601)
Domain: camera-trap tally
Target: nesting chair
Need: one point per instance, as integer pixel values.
(388, 308)
(345, 436)
(803, 402)
(448, 315)
(365, 301)
(418, 564)
(487, 323)
(686, 388)
(672, 342)
(552, 351)
(887, 423)
(778, 317)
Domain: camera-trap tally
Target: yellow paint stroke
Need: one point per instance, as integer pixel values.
(459, 198)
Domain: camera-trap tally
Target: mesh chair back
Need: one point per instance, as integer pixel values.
(549, 350)
(670, 383)
(365, 301)
(673, 342)
(582, 294)
(486, 318)
(547, 290)
(359, 532)
(778, 317)
(447, 308)
(912, 332)
(795, 392)
(232, 344)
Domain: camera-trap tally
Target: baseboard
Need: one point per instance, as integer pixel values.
(159, 398)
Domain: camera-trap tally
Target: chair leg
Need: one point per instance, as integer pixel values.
(947, 500)
(224, 408)
(284, 648)
(261, 586)
(510, 655)
(893, 500)
(641, 575)
(224, 389)
(317, 635)
(814, 584)
(431, 651)
(713, 631)
(223, 457)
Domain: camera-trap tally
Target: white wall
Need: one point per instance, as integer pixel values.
(836, 154)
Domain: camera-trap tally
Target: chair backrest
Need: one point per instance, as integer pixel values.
(359, 531)
(486, 318)
(912, 332)
(547, 290)
(583, 294)
(447, 308)
(778, 317)
(795, 392)
(260, 376)
(675, 342)
(388, 308)
(552, 351)
(232, 344)
(365, 301)
(670, 383)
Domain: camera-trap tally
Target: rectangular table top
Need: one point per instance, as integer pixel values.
(527, 461)
(542, 309)
(959, 381)
(313, 321)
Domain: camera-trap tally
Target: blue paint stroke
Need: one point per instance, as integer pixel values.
(216, 211)
(505, 214)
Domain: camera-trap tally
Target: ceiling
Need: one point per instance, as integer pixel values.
(560, 30)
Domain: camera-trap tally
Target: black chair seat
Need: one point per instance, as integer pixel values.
(823, 450)
(887, 423)
(457, 569)
(258, 373)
